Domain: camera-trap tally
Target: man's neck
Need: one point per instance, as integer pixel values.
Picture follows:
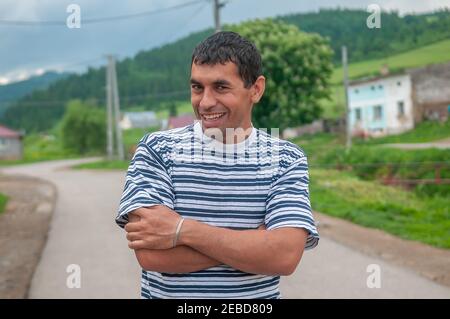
(229, 135)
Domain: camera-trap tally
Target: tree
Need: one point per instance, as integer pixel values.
(83, 128)
(297, 67)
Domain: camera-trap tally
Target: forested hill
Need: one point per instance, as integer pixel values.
(161, 74)
(397, 34)
(14, 91)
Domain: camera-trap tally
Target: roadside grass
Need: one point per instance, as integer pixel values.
(396, 211)
(424, 132)
(3, 201)
(131, 139)
(38, 148)
(183, 107)
(104, 165)
(371, 161)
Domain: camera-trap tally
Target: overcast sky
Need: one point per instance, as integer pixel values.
(27, 50)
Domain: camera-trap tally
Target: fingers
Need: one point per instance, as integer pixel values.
(136, 244)
(132, 227)
(133, 236)
(262, 227)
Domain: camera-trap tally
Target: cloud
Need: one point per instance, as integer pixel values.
(32, 48)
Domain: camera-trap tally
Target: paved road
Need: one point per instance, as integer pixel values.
(83, 232)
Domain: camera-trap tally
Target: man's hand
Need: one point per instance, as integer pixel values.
(155, 228)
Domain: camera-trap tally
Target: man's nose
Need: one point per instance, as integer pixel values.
(208, 99)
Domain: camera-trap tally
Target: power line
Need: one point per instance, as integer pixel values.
(181, 27)
(124, 98)
(98, 20)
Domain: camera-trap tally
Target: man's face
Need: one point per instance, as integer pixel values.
(219, 97)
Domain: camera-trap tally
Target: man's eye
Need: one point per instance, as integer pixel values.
(196, 87)
(221, 88)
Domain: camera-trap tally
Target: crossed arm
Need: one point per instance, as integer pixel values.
(201, 246)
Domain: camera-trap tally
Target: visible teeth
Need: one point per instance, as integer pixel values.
(213, 116)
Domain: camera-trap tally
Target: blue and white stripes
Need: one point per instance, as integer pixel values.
(263, 181)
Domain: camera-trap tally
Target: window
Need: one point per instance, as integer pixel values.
(400, 108)
(377, 112)
(358, 115)
(380, 87)
(356, 91)
(373, 88)
(399, 83)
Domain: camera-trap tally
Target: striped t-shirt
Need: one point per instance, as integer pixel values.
(262, 180)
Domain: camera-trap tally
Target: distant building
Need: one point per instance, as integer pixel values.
(431, 92)
(139, 120)
(392, 104)
(180, 121)
(11, 147)
(381, 106)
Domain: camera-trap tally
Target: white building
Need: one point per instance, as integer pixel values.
(381, 106)
(392, 104)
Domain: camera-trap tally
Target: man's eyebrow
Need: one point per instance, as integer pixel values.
(216, 83)
(222, 82)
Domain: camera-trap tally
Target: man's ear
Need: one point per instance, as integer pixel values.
(258, 89)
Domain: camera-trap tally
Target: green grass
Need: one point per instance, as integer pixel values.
(393, 210)
(182, 108)
(3, 201)
(423, 132)
(370, 161)
(334, 107)
(430, 54)
(38, 148)
(105, 164)
(132, 137)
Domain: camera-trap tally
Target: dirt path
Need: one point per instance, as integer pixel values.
(23, 231)
(83, 233)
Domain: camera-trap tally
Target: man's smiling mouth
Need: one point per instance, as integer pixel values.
(213, 116)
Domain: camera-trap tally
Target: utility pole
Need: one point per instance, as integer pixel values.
(113, 111)
(120, 152)
(109, 118)
(217, 6)
(347, 104)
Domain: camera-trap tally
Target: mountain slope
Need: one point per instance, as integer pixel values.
(161, 74)
(14, 91)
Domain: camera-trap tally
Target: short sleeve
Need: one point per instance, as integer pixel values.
(288, 203)
(147, 182)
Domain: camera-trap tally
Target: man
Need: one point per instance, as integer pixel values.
(218, 209)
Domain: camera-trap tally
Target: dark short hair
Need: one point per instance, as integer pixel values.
(227, 46)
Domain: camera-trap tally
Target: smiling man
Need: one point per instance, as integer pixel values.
(218, 209)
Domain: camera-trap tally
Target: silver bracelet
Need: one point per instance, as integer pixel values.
(177, 232)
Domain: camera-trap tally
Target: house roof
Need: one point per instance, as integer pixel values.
(6, 132)
(377, 78)
(141, 119)
(180, 121)
(402, 71)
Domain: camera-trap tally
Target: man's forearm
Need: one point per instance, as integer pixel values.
(275, 252)
(181, 259)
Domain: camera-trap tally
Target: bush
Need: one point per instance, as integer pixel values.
(83, 128)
